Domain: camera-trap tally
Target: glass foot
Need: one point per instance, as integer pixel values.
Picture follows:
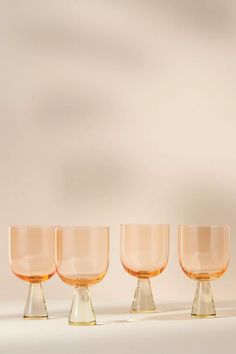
(35, 307)
(143, 298)
(81, 313)
(203, 305)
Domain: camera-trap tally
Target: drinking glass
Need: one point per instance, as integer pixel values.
(82, 260)
(204, 256)
(32, 258)
(144, 254)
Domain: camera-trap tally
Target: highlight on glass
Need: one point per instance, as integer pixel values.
(82, 259)
(144, 254)
(204, 256)
(32, 258)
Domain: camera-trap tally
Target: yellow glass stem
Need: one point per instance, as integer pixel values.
(143, 298)
(81, 313)
(35, 307)
(203, 305)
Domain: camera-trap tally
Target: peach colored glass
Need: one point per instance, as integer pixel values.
(32, 258)
(204, 256)
(144, 254)
(82, 260)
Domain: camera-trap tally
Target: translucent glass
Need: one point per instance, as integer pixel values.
(32, 258)
(82, 259)
(144, 254)
(204, 256)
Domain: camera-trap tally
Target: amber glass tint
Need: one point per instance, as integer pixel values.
(32, 258)
(82, 259)
(144, 254)
(204, 256)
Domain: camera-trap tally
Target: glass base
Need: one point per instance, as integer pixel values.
(143, 298)
(35, 307)
(82, 312)
(92, 323)
(35, 317)
(203, 305)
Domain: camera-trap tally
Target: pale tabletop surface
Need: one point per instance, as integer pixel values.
(171, 330)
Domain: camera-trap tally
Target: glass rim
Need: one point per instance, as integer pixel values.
(145, 224)
(204, 226)
(95, 227)
(33, 226)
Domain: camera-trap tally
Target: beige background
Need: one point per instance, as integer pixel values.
(114, 112)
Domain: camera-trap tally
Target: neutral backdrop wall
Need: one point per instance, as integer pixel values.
(115, 112)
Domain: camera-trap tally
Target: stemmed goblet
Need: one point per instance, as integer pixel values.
(204, 256)
(82, 259)
(144, 254)
(32, 258)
